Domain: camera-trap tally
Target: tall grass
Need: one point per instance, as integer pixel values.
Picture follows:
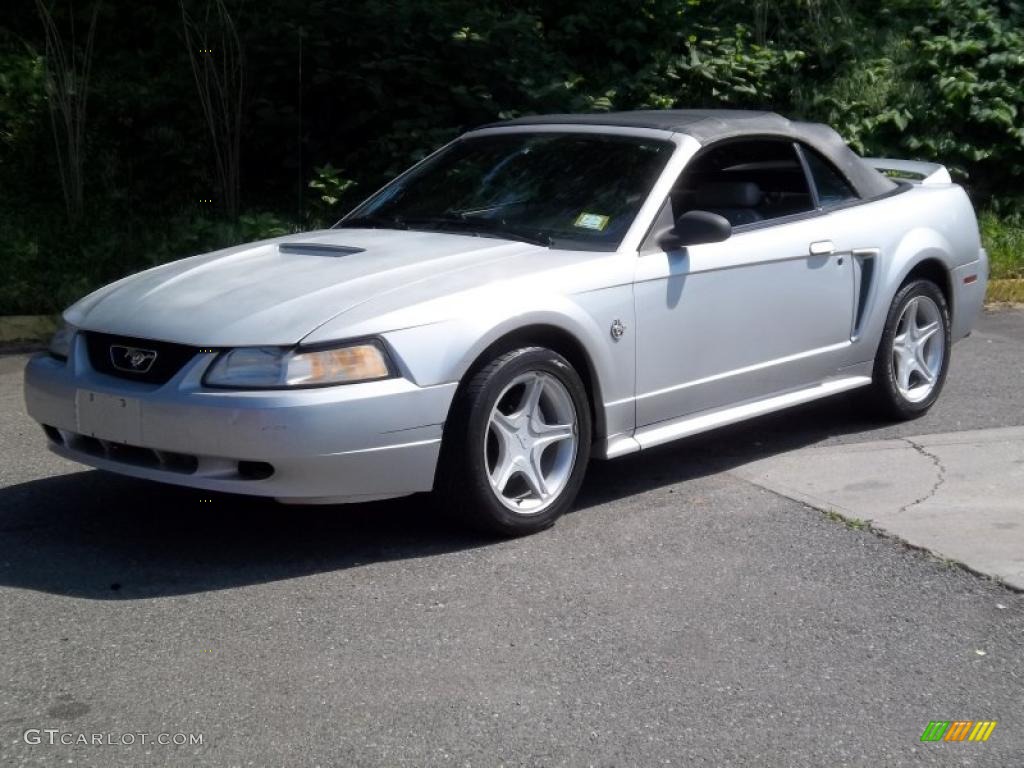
(1003, 237)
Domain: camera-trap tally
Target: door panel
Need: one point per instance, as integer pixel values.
(728, 322)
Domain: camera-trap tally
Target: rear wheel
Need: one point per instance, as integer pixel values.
(517, 444)
(913, 357)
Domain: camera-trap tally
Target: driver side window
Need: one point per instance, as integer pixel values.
(746, 182)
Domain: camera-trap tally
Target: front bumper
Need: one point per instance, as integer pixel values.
(348, 443)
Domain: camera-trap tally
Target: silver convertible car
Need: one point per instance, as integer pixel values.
(535, 294)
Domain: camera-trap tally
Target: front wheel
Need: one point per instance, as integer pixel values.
(913, 356)
(517, 444)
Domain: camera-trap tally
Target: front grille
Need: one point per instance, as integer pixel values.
(168, 361)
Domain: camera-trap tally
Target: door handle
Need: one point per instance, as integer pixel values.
(822, 248)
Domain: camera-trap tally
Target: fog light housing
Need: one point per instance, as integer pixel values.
(255, 470)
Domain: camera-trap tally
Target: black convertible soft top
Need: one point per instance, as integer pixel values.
(710, 125)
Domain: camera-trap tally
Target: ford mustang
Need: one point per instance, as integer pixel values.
(535, 294)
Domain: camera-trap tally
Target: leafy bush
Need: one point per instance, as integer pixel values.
(332, 190)
(969, 59)
(867, 102)
(927, 79)
(729, 69)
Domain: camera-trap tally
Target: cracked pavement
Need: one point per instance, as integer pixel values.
(680, 616)
(959, 495)
(940, 474)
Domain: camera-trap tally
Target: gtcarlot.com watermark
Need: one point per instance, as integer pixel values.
(55, 736)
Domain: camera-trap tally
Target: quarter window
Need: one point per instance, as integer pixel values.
(832, 188)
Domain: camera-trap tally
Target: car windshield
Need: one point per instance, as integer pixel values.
(572, 190)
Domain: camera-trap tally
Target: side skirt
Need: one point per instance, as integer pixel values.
(693, 424)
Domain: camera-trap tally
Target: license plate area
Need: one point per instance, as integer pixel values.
(109, 417)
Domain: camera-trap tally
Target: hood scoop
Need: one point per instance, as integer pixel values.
(317, 249)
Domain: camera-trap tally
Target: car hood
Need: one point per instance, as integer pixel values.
(275, 292)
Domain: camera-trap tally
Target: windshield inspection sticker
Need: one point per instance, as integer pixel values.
(591, 221)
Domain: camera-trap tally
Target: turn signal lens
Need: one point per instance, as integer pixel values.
(60, 344)
(274, 367)
(337, 366)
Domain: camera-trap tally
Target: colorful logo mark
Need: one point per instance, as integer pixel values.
(958, 730)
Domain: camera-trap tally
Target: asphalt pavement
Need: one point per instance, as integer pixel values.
(682, 615)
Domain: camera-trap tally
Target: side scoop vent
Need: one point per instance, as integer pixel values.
(864, 280)
(317, 249)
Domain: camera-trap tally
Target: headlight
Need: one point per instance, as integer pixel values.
(274, 367)
(60, 343)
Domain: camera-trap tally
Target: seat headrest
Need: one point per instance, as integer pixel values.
(729, 194)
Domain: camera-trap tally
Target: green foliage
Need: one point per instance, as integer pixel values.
(332, 190)
(341, 96)
(970, 62)
(723, 69)
(941, 81)
(20, 255)
(864, 104)
(21, 96)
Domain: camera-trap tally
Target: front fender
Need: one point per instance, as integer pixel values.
(442, 352)
(438, 328)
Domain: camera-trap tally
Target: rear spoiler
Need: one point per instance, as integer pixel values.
(911, 170)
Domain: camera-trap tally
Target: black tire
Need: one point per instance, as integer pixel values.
(885, 391)
(463, 482)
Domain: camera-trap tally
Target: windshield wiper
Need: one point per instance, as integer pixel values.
(372, 221)
(477, 227)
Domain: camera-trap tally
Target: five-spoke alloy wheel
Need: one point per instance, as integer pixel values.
(530, 445)
(913, 357)
(517, 443)
(919, 349)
